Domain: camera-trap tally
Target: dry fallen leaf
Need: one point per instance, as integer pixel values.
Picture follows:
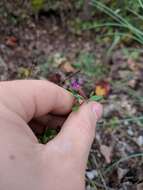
(11, 41)
(67, 67)
(24, 72)
(133, 65)
(63, 63)
(102, 88)
(55, 78)
(132, 83)
(121, 173)
(140, 186)
(106, 151)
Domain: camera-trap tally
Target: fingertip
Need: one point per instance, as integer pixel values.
(91, 110)
(97, 109)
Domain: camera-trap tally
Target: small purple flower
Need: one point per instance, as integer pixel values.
(75, 84)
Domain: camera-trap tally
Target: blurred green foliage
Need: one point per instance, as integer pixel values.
(124, 7)
(37, 4)
(124, 17)
(90, 65)
(48, 135)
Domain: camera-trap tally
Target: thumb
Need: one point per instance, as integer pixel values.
(78, 131)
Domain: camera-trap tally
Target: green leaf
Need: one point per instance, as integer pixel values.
(96, 98)
(76, 95)
(48, 135)
(79, 97)
(75, 108)
(37, 4)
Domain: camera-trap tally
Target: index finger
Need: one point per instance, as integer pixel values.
(34, 98)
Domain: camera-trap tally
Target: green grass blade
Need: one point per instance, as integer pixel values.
(122, 160)
(141, 3)
(122, 21)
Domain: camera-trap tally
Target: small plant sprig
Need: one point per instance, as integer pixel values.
(79, 99)
(79, 94)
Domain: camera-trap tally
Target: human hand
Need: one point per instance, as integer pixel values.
(26, 164)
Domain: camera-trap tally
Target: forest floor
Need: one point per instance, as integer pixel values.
(47, 50)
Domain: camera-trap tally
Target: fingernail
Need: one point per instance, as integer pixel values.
(97, 110)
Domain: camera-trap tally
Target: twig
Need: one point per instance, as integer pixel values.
(70, 76)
